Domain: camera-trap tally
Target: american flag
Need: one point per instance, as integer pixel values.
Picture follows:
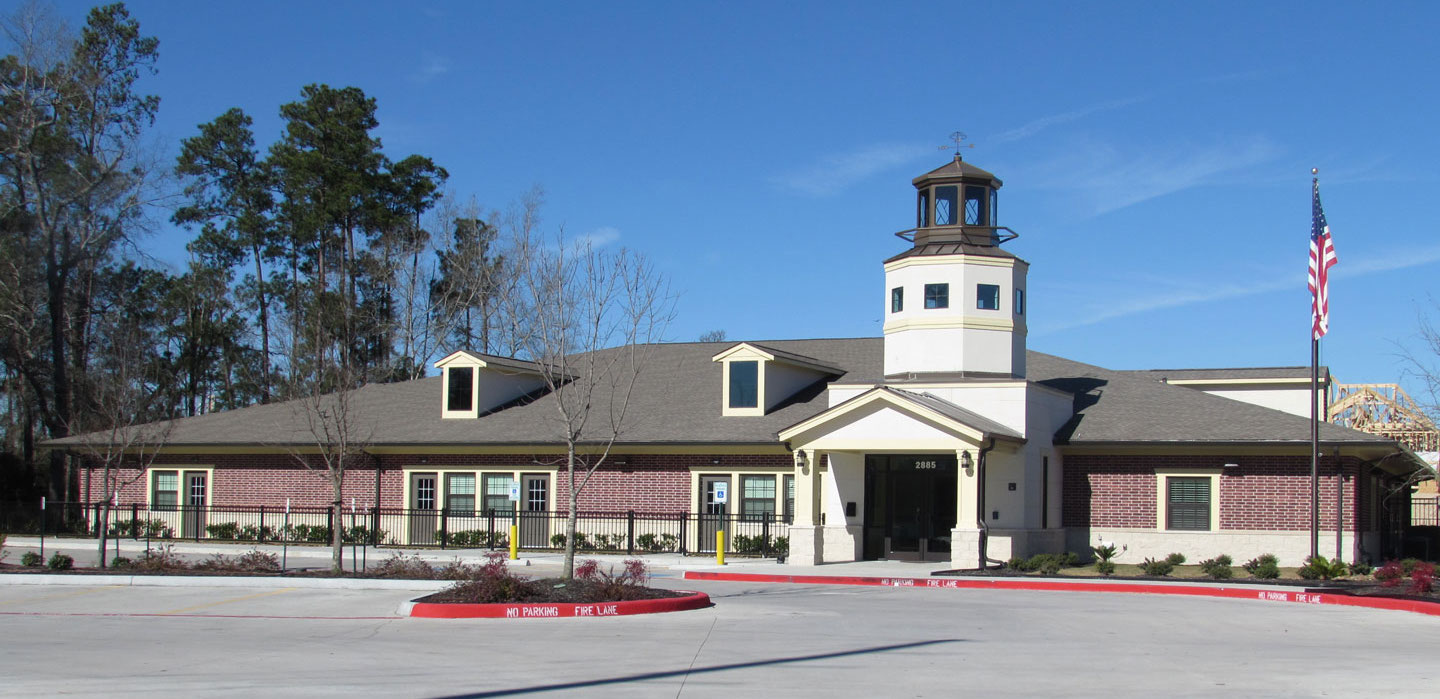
(1322, 258)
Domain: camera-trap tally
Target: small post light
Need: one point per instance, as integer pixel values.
(967, 462)
(802, 463)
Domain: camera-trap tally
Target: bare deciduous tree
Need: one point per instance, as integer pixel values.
(592, 318)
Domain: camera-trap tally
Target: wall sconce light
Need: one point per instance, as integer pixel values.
(715, 460)
(967, 462)
(1232, 465)
(802, 463)
(424, 459)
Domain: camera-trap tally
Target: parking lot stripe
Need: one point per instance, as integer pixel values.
(62, 595)
(267, 593)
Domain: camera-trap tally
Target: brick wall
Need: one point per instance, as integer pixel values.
(1261, 493)
(644, 483)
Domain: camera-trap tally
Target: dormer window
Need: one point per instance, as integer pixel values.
(758, 378)
(460, 389)
(744, 384)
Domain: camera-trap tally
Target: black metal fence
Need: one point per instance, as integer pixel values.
(629, 532)
(1424, 511)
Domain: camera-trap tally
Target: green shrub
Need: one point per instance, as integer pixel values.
(753, 545)
(1105, 567)
(1018, 564)
(222, 530)
(1160, 568)
(557, 541)
(251, 532)
(782, 545)
(1318, 568)
(1265, 560)
(1107, 552)
(61, 561)
(1359, 568)
(30, 559)
(141, 529)
(477, 538)
(1217, 568)
(664, 542)
(581, 542)
(1176, 559)
(121, 562)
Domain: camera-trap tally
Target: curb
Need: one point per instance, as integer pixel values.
(221, 581)
(1269, 595)
(438, 610)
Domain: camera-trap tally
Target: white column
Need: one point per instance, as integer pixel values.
(965, 537)
(806, 547)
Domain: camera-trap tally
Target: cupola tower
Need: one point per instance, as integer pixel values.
(955, 301)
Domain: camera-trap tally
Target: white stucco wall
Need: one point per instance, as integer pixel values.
(1295, 401)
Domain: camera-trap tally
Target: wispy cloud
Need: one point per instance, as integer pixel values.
(1208, 291)
(836, 172)
(600, 237)
(1036, 126)
(432, 66)
(1116, 177)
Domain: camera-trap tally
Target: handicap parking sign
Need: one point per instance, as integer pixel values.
(722, 492)
(515, 493)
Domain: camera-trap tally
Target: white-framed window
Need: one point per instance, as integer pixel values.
(897, 299)
(757, 497)
(937, 295)
(165, 490)
(460, 493)
(744, 384)
(497, 492)
(987, 297)
(1187, 500)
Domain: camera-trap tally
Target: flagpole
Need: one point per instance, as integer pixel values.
(1315, 410)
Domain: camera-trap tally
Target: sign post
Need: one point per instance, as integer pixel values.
(515, 522)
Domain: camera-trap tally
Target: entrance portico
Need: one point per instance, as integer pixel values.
(890, 474)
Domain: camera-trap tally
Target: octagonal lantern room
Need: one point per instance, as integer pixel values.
(957, 203)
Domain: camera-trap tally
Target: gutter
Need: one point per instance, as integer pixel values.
(980, 506)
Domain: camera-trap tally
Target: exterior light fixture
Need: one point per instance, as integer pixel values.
(967, 462)
(1232, 465)
(802, 463)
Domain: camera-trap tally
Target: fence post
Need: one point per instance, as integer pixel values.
(765, 536)
(684, 520)
(490, 527)
(135, 521)
(375, 525)
(444, 526)
(630, 532)
(260, 534)
(44, 511)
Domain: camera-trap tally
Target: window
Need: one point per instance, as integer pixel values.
(897, 299)
(923, 218)
(975, 206)
(945, 205)
(937, 295)
(1187, 503)
(757, 497)
(1019, 302)
(789, 498)
(461, 396)
(460, 494)
(987, 297)
(744, 384)
(497, 492)
(166, 494)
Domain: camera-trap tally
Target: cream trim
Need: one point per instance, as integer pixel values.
(743, 350)
(474, 411)
(1162, 502)
(409, 470)
(692, 448)
(930, 260)
(460, 358)
(964, 323)
(1239, 382)
(180, 469)
(964, 431)
(736, 493)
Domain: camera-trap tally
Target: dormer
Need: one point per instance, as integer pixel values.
(756, 378)
(472, 383)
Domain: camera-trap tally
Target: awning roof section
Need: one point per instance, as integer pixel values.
(933, 411)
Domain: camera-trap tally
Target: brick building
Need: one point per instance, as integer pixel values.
(946, 439)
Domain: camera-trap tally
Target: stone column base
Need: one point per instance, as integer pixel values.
(807, 546)
(965, 549)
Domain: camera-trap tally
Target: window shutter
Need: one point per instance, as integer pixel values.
(1188, 503)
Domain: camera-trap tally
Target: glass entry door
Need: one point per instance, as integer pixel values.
(535, 510)
(909, 506)
(193, 524)
(713, 512)
(424, 506)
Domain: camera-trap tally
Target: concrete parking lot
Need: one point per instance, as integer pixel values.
(768, 640)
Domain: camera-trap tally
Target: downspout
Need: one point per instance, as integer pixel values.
(980, 505)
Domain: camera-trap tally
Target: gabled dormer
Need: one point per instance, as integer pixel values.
(475, 383)
(756, 378)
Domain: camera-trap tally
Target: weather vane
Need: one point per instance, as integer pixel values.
(957, 137)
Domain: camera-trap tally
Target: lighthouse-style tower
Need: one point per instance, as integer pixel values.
(955, 301)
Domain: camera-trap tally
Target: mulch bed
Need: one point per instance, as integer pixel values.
(555, 590)
(1359, 588)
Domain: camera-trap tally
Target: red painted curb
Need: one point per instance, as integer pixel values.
(1404, 605)
(546, 610)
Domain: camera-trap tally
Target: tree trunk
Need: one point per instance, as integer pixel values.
(337, 505)
(568, 573)
(262, 309)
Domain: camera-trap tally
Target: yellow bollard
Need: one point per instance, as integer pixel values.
(514, 542)
(720, 547)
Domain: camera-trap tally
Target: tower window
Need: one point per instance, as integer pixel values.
(975, 206)
(897, 299)
(1019, 302)
(946, 200)
(937, 295)
(987, 297)
(462, 390)
(744, 384)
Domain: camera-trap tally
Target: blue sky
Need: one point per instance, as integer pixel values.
(1156, 156)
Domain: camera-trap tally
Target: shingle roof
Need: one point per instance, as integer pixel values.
(677, 400)
(1272, 372)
